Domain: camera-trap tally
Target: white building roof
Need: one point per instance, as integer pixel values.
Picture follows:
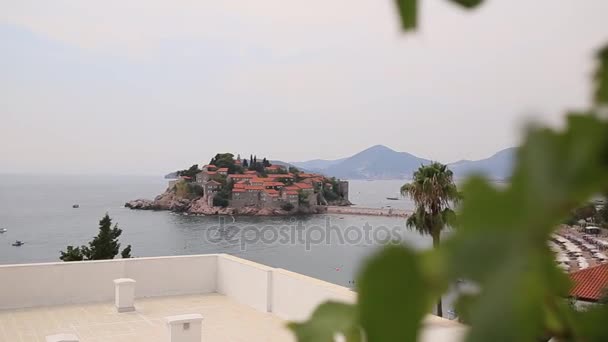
(239, 300)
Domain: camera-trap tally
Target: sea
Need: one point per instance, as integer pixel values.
(37, 209)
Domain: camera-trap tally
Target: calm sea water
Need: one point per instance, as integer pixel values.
(38, 210)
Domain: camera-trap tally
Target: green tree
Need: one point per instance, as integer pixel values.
(126, 253)
(72, 254)
(433, 192)
(103, 246)
(190, 172)
(602, 214)
(287, 206)
(303, 198)
(582, 213)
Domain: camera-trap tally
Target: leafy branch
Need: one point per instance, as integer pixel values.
(500, 245)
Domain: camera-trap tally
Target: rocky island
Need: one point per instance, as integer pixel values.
(229, 186)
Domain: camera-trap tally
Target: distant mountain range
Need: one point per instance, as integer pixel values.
(381, 162)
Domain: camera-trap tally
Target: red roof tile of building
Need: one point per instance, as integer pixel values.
(590, 283)
(306, 175)
(303, 186)
(212, 182)
(272, 192)
(291, 192)
(292, 188)
(222, 169)
(237, 176)
(238, 190)
(239, 185)
(254, 187)
(280, 175)
(273, 184)
(251, 172)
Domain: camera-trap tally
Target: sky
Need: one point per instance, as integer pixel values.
(149, 86)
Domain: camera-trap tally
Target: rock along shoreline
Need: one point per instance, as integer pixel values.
(169, 201)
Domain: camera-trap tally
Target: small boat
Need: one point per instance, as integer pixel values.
(3, 230)
(76, 206)
(18, 243)
(392, 198)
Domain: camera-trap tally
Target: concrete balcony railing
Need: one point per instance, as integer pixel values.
(288, 295)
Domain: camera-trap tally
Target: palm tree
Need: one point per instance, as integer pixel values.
(434, 192)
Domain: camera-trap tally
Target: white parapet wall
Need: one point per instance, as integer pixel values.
(34, 285)
(287, 294)
(295, 296)
(245, 281)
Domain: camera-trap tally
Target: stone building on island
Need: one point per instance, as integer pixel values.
(274, 188)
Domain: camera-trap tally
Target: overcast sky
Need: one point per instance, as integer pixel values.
(148, 86)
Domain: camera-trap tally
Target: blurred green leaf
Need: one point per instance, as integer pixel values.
(501, 243)
(468, 3)
(590, 324)
(393, 295)
(327, 320)
(408, 12)
(601, 77)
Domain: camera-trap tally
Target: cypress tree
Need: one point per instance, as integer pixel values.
(104, 246)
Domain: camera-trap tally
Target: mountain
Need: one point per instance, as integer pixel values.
(288, 165)
(498, 166)
(381, 162)
(376, 162)
(316, 164)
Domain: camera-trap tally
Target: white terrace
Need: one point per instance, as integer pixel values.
(238, 300)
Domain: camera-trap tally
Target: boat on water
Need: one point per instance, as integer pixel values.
(76, 206)
(392, 198)
(18, 243)
(3, 230)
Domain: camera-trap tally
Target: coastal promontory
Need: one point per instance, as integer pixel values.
(234, 186)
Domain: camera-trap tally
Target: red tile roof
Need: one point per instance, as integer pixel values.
(239, 186)
(279, 175)
(306, 175)
(272, 192)
(212, 182)
(241, 176)
(251, 172)
(254, 187)
(292, 188)
(238, 190)
(303, 185)
(222, 169)
(273, 184)
(291, 192)
(590, 283)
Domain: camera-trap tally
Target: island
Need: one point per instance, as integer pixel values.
(234, 186)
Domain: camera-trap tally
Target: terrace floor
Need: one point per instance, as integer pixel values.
(223, 320)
